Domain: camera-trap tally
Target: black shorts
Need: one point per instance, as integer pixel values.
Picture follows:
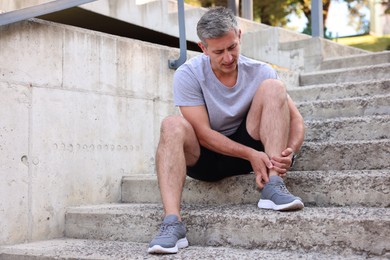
(213, 166)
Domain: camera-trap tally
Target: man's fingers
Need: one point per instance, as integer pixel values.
(265, 176)
(285, 162)
(262, 177)
(287, 152)
(280, 170)
(259, 181)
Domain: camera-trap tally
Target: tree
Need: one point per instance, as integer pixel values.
(274, 12)
(387, 10)
(270, 12)
(305, 6)
(357, 16)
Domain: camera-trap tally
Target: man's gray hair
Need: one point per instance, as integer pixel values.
(215, 23)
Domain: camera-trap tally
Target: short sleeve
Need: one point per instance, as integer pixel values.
(187, 90)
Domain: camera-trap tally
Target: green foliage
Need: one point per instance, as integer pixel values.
(275, 12)
(271, 12)
(387, 10)
(357, 18)
(367, 42)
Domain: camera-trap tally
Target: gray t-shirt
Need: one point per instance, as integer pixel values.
(195, 84)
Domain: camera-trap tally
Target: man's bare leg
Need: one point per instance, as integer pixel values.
(269, 118)
(178, 147)
(269, 121)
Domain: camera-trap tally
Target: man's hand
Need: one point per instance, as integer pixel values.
(282, 163)
(260, 165)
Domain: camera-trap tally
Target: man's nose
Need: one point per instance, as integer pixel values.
(227, 57)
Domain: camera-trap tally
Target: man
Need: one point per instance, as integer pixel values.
(236, 118)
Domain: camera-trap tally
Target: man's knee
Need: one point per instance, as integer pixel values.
(174, 126)
(273, 89)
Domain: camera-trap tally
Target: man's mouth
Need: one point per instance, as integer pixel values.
(229, 64)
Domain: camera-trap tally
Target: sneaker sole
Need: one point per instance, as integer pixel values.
(157, 249)
(269, 204)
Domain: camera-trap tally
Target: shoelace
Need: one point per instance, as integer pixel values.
(282, 188)
(166, 229)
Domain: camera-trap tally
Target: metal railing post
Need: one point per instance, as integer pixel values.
(234, 6)
(38, 10)
(174, 64)
(317, 23)
(247, 9)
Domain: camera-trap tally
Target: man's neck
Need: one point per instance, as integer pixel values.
(227, 79)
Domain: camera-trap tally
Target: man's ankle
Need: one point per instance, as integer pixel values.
(174, 214)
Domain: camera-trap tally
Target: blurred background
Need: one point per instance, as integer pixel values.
(363, 24)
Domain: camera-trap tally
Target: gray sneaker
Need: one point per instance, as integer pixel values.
(171, 237)
(275, 196)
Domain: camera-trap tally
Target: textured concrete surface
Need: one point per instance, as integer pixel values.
(374, 72)
(360, 60)
(14, 170)
(342, 188)
(278, 46)
(347, 229)
(259, 41)
(234, 190)
(79, 110)
(348, 129)
(346, 155)
(316, 188)
(116, 250)
(315, 50)
(340, 90)
(348, 107)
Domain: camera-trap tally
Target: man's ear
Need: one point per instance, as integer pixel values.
(204, 49)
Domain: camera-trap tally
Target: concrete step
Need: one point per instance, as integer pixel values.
(347, 107)
(99, 249)
(347, 155)
(348, 129)
(339, 90)
(341, 188)
(358, 74)
(361, 231)
(356, 60)
(319, 188)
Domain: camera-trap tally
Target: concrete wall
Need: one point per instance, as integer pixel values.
(293, 51)
(78, 110)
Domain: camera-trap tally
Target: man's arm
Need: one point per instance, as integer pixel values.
(197, 116)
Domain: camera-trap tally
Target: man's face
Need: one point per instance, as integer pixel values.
(223, 52)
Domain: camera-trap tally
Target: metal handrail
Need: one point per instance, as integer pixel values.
(38, 10)
(174, 64)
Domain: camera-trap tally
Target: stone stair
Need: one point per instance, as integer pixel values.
(342, 175)
(104, 249)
